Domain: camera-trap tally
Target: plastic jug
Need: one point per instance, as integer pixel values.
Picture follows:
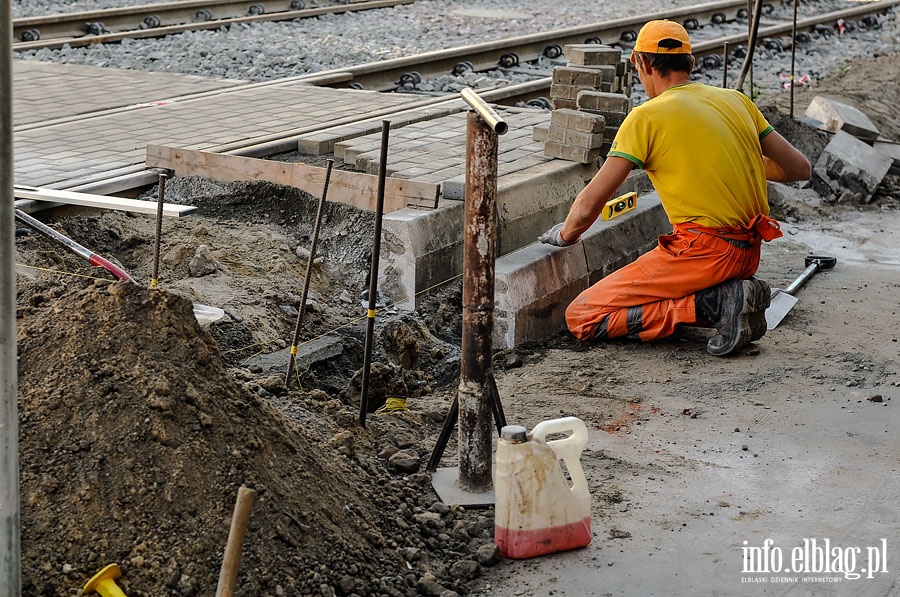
(536, 512)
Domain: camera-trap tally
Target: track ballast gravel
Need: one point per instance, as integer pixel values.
(272, 50)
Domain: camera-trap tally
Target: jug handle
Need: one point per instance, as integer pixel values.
(567, 449)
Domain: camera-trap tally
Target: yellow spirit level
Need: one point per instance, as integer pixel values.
(621, 204)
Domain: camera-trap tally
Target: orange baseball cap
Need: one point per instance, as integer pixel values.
(654, 32)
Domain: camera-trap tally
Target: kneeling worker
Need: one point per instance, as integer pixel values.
(708, 152)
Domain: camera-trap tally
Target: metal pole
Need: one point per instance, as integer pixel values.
(308, 278)
(751, 48)
(793, 55)
(373, 275)
(725, 65)
(160, 200)
(10, 548)
(479, 254)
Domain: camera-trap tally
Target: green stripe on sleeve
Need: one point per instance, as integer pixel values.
(630, 158)
(766, 131)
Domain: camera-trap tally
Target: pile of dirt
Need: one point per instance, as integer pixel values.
(135, 440)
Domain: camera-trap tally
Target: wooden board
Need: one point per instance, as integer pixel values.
(102, 201)
(354, 188)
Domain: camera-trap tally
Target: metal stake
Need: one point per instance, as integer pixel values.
(725, 65)
(10, 563)
(751, 48)
(161, 194)
(309, 267)
(793, 55)
(373, 274)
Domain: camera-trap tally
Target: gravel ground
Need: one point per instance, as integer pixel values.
(266, 51)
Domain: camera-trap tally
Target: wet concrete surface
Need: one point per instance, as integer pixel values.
(795, 443)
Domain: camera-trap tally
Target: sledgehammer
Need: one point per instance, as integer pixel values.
(784, 300)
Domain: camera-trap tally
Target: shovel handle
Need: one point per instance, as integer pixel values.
(813, 264)
(802, 278)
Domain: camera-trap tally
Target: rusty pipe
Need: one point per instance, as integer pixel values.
(479, 256)
(484, 111)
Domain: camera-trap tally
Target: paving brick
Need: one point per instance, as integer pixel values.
(605, 102)
(575, 138)
(582, 76)
(559, 103)
(539, 133)
(570, 153)
(592, 54)
(580, 121)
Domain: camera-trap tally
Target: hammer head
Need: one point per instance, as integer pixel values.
(821, 261)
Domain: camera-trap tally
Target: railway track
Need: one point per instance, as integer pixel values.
(713, 27)
(390, 75)
(158, 20)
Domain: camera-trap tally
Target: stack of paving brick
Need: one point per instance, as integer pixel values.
(590, 96)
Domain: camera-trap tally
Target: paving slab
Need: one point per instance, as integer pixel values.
(114, 133)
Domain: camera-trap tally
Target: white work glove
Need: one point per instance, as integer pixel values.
(554, 237)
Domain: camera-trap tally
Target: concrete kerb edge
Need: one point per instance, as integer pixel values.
(422, 248)
(535, 284)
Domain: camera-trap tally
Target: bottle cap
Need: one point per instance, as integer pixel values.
(514, 433)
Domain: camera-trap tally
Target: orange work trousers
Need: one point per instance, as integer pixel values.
(650, 297)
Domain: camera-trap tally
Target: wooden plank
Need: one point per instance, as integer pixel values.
(101, 201)
(354, 188)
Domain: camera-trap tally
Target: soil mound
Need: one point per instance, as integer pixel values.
(135, 440)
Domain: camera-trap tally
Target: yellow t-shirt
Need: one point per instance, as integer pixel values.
(700, 147)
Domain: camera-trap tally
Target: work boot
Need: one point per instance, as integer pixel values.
(758, 324)
(737, 309)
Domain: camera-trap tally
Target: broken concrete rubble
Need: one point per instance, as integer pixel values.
(837, 116)
(849, 169)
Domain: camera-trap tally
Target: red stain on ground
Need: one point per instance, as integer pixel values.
(623, 420)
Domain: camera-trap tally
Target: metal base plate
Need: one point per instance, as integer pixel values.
(446, 483)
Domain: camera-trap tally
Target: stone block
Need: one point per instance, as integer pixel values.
(532, 200)
(611, 244)
(837, 116)
(581, 76)
(559, 103)
(533, 286)
(570, 153)
(536, 283)
(603, 102)
(849, 166)
(592, 54)
(539, 133)
(892, 150)
(567, 136)
(577, 120)
(422, 248)
(419, 249)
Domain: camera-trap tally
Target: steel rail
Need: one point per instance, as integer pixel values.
(137, 175)
(388, 75)
(158, 20)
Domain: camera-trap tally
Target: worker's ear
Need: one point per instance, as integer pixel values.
(642, 66)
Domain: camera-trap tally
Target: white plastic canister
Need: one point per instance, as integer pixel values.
(536, 512)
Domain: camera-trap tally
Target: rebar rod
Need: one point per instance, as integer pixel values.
(373, 274)
(309, 267)
(160, 199)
